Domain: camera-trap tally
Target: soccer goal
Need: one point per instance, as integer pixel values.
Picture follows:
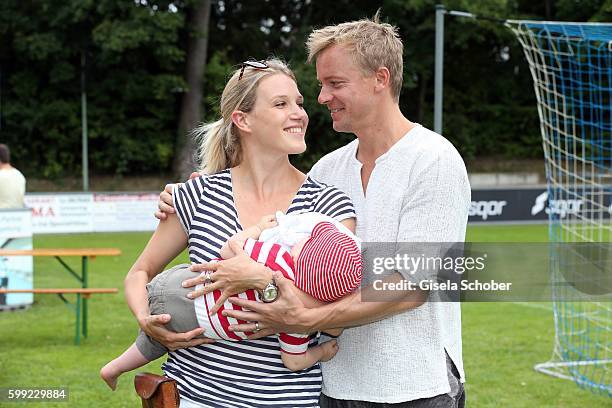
(571, 66)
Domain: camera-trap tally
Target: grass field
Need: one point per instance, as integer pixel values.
(502, 341)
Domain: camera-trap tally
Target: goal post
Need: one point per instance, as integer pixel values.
(571, 67)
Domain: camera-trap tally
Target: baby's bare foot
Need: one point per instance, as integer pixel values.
(109, 375)
(330, 348)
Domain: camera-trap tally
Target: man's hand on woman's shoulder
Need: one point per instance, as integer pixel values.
(165, 205)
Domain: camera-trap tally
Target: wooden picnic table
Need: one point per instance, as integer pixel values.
(58, 253)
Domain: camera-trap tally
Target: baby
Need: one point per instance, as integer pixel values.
(318, 253)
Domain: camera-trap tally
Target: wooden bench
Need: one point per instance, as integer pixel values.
(83, 293)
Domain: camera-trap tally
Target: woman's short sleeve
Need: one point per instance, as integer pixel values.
(186, 197)
(334, 203)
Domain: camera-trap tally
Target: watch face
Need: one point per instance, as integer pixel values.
(270, 293)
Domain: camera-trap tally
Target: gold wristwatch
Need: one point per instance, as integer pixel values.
(269, 293)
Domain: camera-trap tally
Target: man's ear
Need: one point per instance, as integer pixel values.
(383, 78)
(241, 120)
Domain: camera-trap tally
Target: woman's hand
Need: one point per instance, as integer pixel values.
(154, 327)
(230, 276)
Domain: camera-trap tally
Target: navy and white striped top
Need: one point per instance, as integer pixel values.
(247, 373)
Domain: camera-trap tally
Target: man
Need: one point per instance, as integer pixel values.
(408, 184)
(12, 182)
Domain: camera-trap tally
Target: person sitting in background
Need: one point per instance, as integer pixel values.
(12, 182)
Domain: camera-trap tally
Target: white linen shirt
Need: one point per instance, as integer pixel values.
(418, 192)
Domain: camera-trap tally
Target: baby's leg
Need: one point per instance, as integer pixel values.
(322, 352)
(165, 296)
(131, 359)
(142, 351)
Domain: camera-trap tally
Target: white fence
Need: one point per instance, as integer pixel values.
(92, 212)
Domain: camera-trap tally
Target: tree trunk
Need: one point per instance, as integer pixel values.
(198, 21)
(548, 9)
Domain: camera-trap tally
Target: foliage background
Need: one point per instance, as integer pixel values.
(135, 53)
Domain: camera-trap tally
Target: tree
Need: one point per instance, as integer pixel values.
(157, 67)
(133, 72)
(198, 22)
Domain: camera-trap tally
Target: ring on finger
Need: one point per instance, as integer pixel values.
(207, 277)
(257, 327)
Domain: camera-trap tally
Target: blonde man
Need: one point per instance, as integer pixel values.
(408, 184)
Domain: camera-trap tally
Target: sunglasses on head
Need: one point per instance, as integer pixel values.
(253, 64)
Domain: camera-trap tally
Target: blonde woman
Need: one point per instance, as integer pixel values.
(245, 156)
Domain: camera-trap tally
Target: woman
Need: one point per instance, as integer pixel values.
(245, 157)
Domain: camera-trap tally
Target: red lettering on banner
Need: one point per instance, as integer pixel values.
(43, 212)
